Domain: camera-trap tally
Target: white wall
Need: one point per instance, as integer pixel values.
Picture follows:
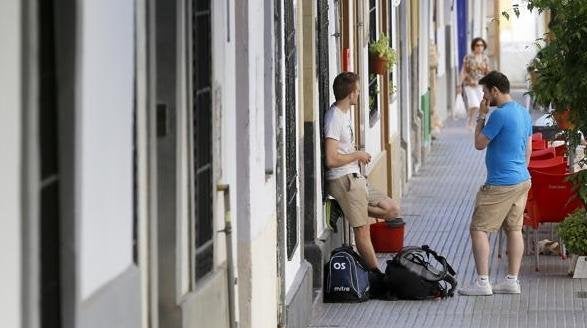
(223, 72)
(256, 235)
(394, 109)
(104, 181)
(10, 163)
(423, 48)
(517, 36)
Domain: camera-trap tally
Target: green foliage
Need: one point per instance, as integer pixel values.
(515, 10)
(561, 80)
(579, 182)
(561, 63)
(573, 232)
(382, 49)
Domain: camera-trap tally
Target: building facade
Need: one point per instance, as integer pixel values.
(163, 160)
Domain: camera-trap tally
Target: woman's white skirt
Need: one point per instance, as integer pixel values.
(474, 96)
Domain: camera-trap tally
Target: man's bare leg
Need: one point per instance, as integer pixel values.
(387, 209)
(364, 246)
(480, 243)
(515, 246)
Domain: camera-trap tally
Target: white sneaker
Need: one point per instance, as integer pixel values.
(508, 286)
(477, 289)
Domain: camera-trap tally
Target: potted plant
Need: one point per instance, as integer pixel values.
(381, 56)
(573, 233)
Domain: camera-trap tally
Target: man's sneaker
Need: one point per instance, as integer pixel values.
(477, 289)
(507, 286)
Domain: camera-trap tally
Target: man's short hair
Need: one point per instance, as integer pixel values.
(344, 84)
(496, 79)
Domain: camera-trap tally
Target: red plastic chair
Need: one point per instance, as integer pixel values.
(556, 165)
(552, 199)
(543, 154)
(539, 144)
(560, 150)
(550, 165)
(537, 136)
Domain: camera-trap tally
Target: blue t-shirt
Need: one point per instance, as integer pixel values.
(508, 129)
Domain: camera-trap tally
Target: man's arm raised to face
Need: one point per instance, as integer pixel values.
(481, 141)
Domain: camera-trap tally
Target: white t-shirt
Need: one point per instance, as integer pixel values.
(338, 126)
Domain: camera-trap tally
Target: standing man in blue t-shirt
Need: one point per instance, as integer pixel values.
(501, 200)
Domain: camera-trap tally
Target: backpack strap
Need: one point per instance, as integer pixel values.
(441, 259)
(449, 272)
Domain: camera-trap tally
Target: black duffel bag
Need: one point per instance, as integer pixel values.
(419, 273)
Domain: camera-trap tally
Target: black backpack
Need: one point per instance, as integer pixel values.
(345, 277)
(418, 273)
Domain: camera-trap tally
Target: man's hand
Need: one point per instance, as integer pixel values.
(363, 157)
(483, 107)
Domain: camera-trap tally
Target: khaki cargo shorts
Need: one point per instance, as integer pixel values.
(500, 206)
(354, 195)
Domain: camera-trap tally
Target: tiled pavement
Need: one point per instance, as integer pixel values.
(437, 209)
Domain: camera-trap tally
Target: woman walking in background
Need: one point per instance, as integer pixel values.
(475, 66)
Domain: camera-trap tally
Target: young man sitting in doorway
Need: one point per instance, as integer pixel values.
(358, 200)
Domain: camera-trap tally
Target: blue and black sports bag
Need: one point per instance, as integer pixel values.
(345, 278)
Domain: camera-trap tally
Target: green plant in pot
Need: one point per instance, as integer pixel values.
(573, 232)
(381, 56)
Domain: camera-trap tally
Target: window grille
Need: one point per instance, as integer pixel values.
(323, 80)
(290, 131)
(202, 136)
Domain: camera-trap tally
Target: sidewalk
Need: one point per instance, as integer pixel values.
(437, 210)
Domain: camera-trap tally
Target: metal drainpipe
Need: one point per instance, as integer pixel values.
(232, 281)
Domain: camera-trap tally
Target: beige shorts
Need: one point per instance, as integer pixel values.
(354, 195)
(500, 206)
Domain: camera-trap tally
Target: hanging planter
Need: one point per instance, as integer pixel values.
(381, 56)
(377, 64)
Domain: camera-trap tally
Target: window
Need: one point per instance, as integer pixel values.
(291, 174)
(373, 81)
(50, 225)
(202, 137)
